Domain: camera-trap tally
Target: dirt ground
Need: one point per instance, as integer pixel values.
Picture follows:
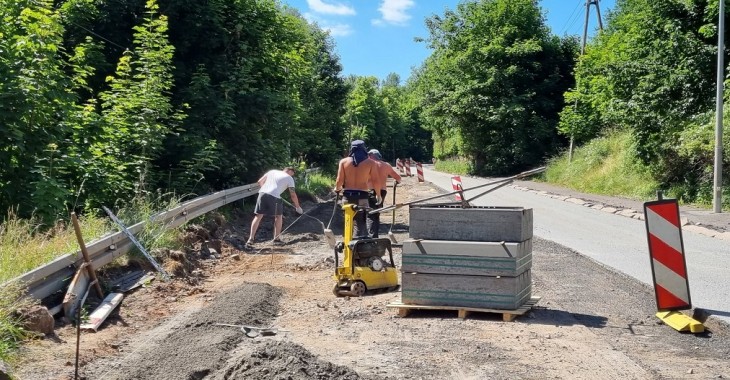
(590, 322)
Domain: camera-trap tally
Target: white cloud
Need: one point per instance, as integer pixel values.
(339, 30)
(319, 6)
(394, 12)
(336, 30)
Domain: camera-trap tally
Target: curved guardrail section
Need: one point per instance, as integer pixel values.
(54, 276)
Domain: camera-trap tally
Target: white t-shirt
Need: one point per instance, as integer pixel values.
(276, 182)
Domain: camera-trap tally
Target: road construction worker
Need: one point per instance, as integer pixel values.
(272, 185)
(384, 171)
(353, 174)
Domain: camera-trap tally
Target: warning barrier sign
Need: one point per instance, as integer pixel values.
(456, 185)
(666, 249)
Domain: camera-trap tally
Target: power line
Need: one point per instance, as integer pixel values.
(572, 18)
(97, 35)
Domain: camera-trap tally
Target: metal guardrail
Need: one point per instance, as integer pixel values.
(54, 276)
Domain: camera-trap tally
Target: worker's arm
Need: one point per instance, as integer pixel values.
(262, 180)
(340, 177)
(393, 174)
(295, 200)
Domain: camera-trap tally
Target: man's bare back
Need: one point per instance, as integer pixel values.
(353, 177)
(382, 172)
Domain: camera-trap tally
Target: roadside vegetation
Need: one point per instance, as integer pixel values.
(605, 165)
(315, 184)
(11, 334)
(25, 244)
(454, 165)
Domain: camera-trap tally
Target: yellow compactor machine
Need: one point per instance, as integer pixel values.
(363, 267)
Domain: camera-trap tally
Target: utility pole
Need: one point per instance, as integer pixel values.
(583, 51)
(717, 185)
(585, 23)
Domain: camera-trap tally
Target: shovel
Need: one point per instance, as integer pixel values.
(328, 234)
(251, 331)
(391, 236)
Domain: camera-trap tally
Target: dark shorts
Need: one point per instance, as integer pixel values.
(357, 197)
(268, 204)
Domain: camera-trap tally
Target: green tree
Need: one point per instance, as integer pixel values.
(365, 113)
(321, 92)
(494, 84)
(34, 98)
(650, 72)
(136, 114)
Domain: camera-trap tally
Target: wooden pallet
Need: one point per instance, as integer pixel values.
(507, 315)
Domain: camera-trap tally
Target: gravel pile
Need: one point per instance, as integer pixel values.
(278, 360)
(191, 345)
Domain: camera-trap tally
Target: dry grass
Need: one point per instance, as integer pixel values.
(24, 246)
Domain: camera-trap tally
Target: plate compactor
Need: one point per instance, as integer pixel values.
(363, 267)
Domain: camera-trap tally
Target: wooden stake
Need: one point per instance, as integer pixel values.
(85, 253)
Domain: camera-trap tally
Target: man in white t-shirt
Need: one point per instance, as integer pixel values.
(269, 202)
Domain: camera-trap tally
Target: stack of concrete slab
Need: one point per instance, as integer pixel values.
(472, 257)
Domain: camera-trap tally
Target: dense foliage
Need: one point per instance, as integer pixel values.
(652, 72)
(386, 116)
(102, 100)
(492, 89)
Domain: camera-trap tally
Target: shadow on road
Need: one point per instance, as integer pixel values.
(564, 318)
(707, 312)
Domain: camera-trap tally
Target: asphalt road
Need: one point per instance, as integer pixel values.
(613, 240)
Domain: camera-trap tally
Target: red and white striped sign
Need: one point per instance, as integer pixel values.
(419, 171)
(666, 249)
(399, 165)
(408, 167)
(456, 184)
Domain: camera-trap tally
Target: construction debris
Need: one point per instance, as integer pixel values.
(102, 312)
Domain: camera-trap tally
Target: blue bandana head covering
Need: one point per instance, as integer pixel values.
(358, 152)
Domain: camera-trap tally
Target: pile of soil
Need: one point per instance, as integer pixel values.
(191, 345)
(285, 361)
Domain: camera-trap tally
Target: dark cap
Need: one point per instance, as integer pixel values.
(376, 153)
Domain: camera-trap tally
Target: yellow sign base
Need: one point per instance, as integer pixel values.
(681, 322)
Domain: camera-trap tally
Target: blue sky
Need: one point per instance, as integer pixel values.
(375, 37)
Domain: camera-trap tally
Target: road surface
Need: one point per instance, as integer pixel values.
(614, 240)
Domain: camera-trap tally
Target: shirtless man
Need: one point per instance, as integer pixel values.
(383, 172)
(353, 174)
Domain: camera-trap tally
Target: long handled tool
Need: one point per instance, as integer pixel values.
(328, 234)
(461, 191)
(390, 232)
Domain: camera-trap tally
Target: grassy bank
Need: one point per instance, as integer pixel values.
(24, 245)
(314, 184)
(605, 165)
(458, 166)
